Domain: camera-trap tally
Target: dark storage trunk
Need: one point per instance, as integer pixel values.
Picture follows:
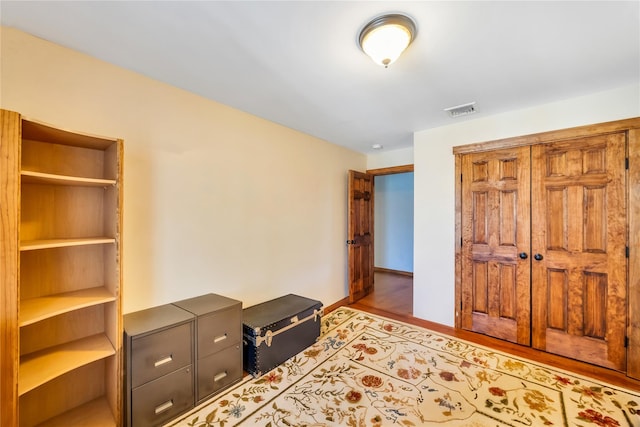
(276, 330)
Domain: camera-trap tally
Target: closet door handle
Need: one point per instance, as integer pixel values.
(538, 257)
(523, 255)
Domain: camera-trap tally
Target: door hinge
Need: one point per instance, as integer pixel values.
(626, 251)
(626, 163)
(460, 177)
(626, 342)
(461, 242)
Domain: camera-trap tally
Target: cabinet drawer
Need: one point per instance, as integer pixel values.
(160, 353)
(219, 370)
(160, 400)
(219, 330)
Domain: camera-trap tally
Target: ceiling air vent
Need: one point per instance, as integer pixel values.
(461, 110)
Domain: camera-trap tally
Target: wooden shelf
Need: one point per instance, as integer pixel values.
(36, 309)
(48, 178)
(38, 131)
(29, 245)
(42, 366)
(95, 413)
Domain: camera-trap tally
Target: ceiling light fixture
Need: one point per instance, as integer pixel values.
(384, 38)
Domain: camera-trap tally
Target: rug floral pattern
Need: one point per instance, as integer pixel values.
(367, 370)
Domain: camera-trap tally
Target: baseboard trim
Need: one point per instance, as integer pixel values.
(344, 301)
(388, 270)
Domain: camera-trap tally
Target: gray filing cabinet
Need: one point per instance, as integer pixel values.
(159, 372)
(218, 342)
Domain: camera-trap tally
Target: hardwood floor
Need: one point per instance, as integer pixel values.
(393, 298)
(393, 292)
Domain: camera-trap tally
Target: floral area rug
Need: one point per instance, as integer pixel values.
(367, 370)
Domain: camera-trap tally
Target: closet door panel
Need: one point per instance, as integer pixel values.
(495, 232)
(578, 238)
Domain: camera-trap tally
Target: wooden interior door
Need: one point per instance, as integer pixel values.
(579, 237)
(360, 235)
(495, 293)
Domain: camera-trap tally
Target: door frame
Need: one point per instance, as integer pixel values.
(632, 128)
(376, 172)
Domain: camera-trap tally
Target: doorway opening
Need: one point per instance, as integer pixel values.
(393, 240)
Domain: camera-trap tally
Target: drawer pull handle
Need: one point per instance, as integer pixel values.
(219, 376)
(163, 361)
(217, 339)
(166, 405)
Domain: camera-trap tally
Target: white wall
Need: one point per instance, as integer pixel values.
(215, 200)
(393, 234)
(434, 182)
(389, 158)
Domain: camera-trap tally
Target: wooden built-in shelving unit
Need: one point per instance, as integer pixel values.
(61, 235)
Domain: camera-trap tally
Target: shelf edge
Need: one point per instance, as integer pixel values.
(48, 178)
(30, 245)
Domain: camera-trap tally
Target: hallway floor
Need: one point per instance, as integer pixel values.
(392, 292)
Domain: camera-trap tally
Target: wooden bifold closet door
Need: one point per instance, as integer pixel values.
(543, 235)
(495, 244)
(579, 281)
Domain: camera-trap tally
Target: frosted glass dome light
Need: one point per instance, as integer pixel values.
(386, 37)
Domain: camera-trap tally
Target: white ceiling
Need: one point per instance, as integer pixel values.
(297, 63)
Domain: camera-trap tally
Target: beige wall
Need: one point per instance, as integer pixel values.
(216, 200)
